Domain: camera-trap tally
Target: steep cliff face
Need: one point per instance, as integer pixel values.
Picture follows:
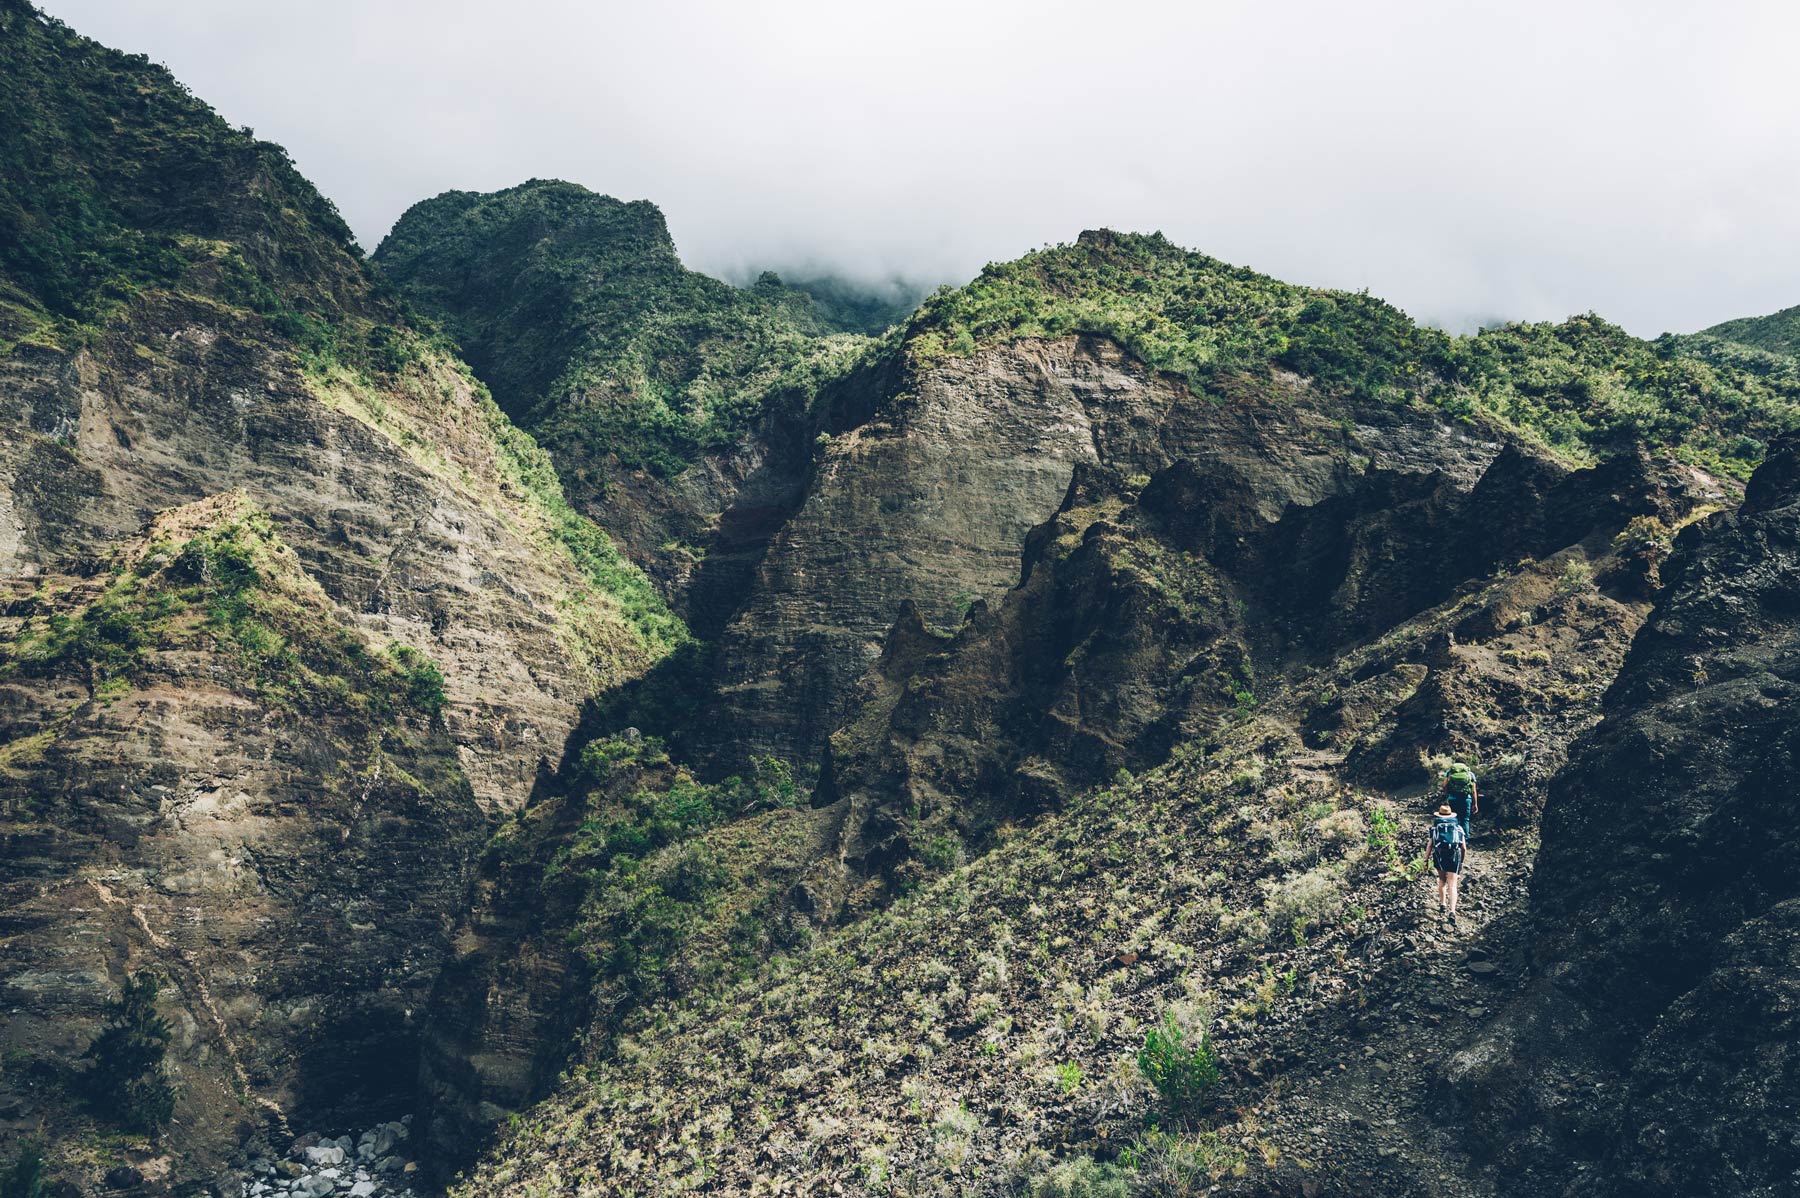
(928, 497)
(213, 777)
(1149, 615)
(402, 502)
(1653, 1052)
(189, 345)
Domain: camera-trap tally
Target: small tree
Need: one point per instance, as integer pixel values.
(26, 1178)
(126, 1080)
(1179, 1063)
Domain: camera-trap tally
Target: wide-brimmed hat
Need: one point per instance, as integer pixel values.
(1445, 810)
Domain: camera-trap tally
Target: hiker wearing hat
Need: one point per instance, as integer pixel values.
(1461, 793)
(1447, 841)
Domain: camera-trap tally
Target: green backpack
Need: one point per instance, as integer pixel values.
(1461, 779)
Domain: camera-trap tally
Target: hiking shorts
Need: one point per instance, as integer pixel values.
(1447, 858)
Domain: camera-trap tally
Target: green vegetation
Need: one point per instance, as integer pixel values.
(26, 1177)
(1080, 1177)
(576, 310)
(1384, 836)
(234, 588)
(847, 306)
(125, 1079)
(1582, 386)
(635, 871)
(1776, 333)
(1178, 1061)
(587, 545)
(1159, 1163)
(1178, 1165)
(424, 682)
(115, 178)
(649, 889)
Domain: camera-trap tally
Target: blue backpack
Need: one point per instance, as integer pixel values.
(1447, 830)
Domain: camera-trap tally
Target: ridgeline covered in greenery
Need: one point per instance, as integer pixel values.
(1583, 386)
(115, 178)
(1776, 333)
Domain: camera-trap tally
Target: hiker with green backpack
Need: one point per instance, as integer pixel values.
(1462, 795)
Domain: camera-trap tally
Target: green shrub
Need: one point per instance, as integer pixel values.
(1384, 836)
(1179, 1063)
(1300, 902)
(1080, 1177)
(26, 1177)
(1645, 534)
(424, 682)
(1576, 576)
(1164, 1165)
(125, 1080)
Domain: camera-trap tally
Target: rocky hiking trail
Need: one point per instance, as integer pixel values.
(1364, 1092)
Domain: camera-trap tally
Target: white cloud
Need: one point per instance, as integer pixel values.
(1467, 160)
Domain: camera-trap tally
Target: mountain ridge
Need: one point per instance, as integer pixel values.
(1777, 333)
(725, 752)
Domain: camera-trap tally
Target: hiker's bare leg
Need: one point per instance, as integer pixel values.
(1455, 882)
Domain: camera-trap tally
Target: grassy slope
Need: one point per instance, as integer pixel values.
(954, 1042)
(116, 181)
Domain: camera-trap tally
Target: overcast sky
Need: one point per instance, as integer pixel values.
(1467, 160)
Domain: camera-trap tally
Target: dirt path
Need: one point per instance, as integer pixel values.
(1365, 1104)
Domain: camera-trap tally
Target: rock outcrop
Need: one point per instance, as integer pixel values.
(927, 497)
(1150, 614)
(1653, 1053)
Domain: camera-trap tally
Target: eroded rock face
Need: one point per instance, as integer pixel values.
(285, 843)
(1653, 1053)
(928, 499)
(1152, 612)
(280, 837)
(416, 544)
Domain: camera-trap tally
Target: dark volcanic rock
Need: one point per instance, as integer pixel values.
(1667, 958)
